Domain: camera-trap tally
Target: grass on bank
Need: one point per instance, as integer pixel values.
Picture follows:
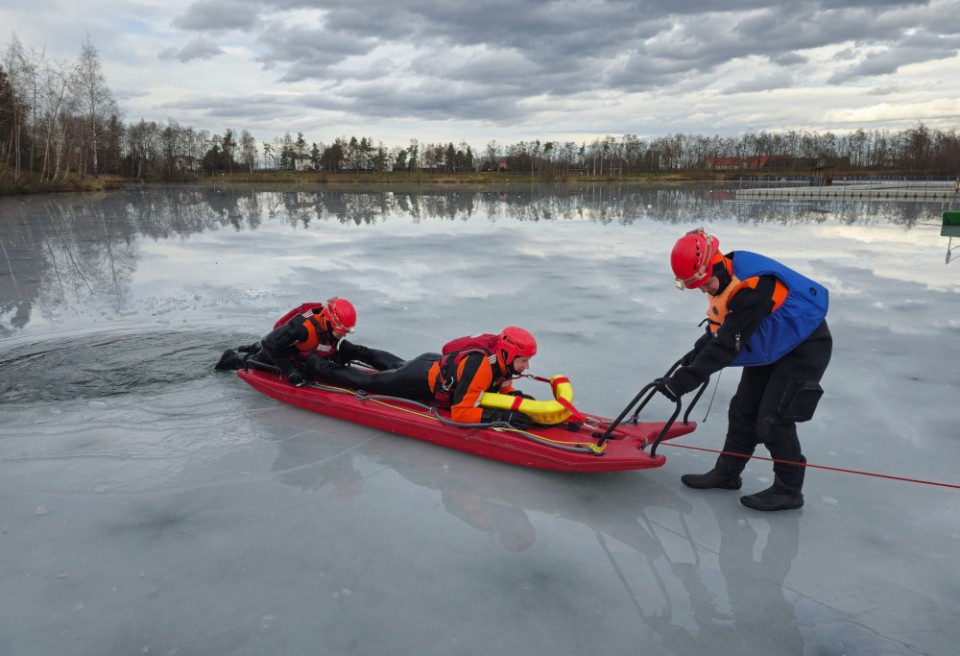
(29, 183)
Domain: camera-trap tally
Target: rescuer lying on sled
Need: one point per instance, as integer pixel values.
(457, 378)
(306, 335)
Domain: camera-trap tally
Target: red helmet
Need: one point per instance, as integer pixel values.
(341, 314)
(515, 343)
(692, 258)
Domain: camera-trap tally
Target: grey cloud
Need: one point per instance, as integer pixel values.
(884, 91)
(431, 100)
(219, 16)
(504, 68)
(769, 82)
(196, 49)
(847, 54)
(246, 110)
(559, 48)
(309, 50)
(788, 59)
(888, 61)
(914, 48)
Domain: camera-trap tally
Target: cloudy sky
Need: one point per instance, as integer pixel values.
(512, 70)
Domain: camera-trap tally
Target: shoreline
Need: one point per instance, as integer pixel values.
(369, 181)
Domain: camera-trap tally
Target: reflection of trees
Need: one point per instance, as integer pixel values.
(185, 211)
(906, 214)
(85, 247)
(62, 253)
(75, 251)
(79, 253)
(20, 279)
(601, 203)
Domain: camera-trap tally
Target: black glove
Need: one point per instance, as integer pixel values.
(688, 359)
(666, 387)
(295, 378)
(521, 395)
(682, 381)
(516, 420)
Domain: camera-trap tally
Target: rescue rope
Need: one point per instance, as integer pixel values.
(808, 465)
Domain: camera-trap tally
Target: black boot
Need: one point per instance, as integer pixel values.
(715, 478)
(249, 348)
(776, 497)
(785, 493)
(228, 361)
(725, 474)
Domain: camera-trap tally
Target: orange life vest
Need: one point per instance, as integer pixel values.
(444, 375)
(719, 305)
(317, 336)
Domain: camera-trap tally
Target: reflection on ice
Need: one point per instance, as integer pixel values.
(150, 506)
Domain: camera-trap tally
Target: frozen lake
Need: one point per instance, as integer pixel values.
(151, 506)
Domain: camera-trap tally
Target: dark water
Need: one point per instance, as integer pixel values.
(94, 366)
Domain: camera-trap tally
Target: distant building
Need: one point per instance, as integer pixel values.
(301, 162)
(187, 163)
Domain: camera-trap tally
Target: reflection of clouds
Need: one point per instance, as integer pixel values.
(314, 460)
(184, 250)
(509, 502)
(474, 500)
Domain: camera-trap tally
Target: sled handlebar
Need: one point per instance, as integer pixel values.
(647, 393)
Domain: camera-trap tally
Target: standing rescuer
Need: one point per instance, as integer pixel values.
(770, 320)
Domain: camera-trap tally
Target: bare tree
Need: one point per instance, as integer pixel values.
(22, 67)
(14, 108)
(56, 102)
(93, 96)
(10, 125)
(248, 150)
(142, 146)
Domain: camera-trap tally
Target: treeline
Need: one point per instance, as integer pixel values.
(59, 118)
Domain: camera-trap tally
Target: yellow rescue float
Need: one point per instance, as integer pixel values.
(548, 413)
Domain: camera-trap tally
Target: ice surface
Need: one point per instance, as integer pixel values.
(150, 505)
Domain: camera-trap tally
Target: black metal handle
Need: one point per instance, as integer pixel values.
(616, 422)
(651, 388)
(663, 431)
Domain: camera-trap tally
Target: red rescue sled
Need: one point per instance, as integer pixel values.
(590, 446)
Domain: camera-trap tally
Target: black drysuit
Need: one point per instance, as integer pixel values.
(762, 410)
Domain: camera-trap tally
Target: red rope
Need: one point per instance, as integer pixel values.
(540, 378)
(802, 464)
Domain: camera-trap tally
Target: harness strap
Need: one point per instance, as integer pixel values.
(445, 382)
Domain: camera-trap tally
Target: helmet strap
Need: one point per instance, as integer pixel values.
(721, 271)
(505, 368)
